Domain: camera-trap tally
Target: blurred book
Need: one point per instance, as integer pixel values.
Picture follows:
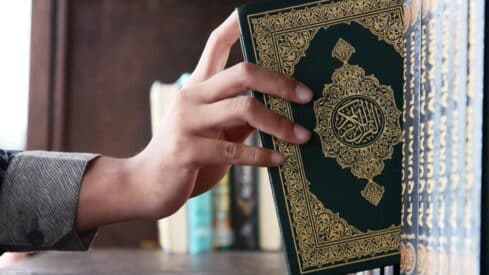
(269, 230)
(245, 203)
(221, 199)
(200, 223)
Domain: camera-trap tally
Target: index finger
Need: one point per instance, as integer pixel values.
(247, 76)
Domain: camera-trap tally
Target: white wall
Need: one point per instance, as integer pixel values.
(15, 32)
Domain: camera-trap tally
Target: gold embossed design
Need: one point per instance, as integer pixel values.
(343, 50)
(373, 192)
(408, 258)
(321, 238)
(358, 121)
(283, 32)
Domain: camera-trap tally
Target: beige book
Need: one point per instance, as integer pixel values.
(269, 231)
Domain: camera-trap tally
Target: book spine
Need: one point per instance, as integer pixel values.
(245, 204)
(444, 139)
(484, 195)
(432, 85)
(425, 132)
(221, 198)
(473, 177)
(410, 162)
(200, 223)
(457, 133)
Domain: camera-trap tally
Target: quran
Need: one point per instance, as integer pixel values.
(338, 197)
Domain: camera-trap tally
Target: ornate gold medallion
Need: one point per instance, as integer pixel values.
(358, 121)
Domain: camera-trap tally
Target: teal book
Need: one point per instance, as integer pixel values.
(200, 224)
(338, 197)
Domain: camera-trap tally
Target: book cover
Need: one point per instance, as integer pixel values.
(221, 208)
(244, 205)
(339, 196)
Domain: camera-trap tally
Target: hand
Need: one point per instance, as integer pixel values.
(201, 133)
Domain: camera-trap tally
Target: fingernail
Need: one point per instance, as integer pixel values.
(303, 93)
(301, 133)
(277, 158)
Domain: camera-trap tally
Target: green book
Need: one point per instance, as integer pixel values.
(338, 197)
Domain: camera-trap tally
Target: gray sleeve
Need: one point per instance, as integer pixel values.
(38, 201)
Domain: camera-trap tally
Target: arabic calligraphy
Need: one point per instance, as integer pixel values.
(357, 121)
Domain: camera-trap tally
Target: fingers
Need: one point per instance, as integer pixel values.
(214, 151)
(247, 76)
(216, 51)
(247, 110)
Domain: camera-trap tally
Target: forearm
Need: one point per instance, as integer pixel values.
(107, 193)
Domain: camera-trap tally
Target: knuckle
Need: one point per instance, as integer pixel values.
(254, 155)
(216, 36)
(246, 69)
(246, 105)
(244, 72)
(181, 97)
(230, 151)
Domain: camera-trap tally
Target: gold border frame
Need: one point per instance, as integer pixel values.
(271, 31)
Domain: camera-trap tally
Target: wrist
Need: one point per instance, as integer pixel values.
(105, 193)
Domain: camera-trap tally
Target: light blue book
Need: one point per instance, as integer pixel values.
(182, 79)
(200, 223)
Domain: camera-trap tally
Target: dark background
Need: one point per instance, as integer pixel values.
(92, 65)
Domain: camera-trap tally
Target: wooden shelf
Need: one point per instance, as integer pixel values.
(138, 261)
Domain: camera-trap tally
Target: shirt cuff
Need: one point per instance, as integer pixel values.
(38, 201)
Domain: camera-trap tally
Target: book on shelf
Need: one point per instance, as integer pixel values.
(222, 227)
(479, 38)
(269, 235)
(475, 244)
(411, 139)
(200, 223)
(339, 195)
